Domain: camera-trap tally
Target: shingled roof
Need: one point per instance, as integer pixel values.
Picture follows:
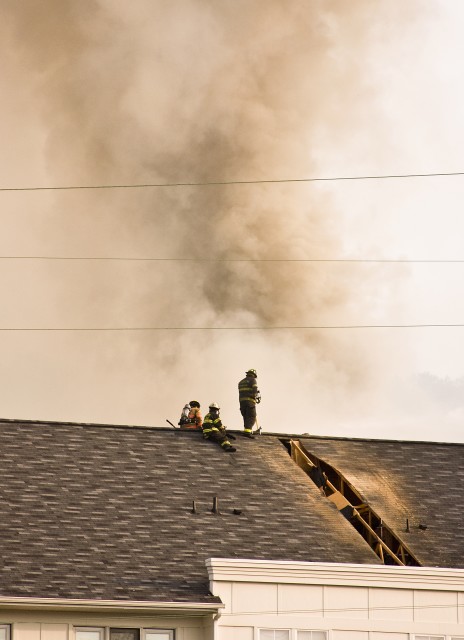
(418, 482)
(105, 511)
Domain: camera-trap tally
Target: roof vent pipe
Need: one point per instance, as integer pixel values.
(215, 508)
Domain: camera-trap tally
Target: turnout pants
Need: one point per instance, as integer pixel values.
(248, 411)
(217, 436)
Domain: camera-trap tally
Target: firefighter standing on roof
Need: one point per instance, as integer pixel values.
(249, 396)
(214, 430)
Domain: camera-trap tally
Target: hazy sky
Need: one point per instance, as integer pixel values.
(106, 92)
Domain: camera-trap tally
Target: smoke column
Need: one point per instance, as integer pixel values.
(196, 91)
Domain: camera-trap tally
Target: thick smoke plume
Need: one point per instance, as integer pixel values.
(198, 91)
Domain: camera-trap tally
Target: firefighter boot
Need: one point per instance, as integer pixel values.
(248, 434)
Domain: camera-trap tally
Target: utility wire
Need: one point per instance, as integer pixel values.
(321, 611)
(283, 328)
(234, 182)
(328, 610)
(214, 260)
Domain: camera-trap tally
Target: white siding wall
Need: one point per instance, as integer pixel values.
(352, 603)
(60, 626)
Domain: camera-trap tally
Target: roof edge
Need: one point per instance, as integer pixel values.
(76, 604)
(339, 574)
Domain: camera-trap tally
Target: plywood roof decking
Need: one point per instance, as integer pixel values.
(419, 481)
(99, 511)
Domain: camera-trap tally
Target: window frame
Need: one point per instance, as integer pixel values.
(105, 631)
(101, 630)
(7, 628)
(122, 629)
(289, 631)
(311, 631)
(146, 630)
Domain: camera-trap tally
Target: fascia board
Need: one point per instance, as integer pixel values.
(336, 574)
(112, 606)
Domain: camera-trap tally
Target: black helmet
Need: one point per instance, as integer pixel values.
(194, 403)
(252, 372)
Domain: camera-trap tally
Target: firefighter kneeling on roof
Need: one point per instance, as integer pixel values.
(191, 416)
(214, 430)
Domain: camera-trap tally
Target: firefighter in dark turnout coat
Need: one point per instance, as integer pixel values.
(249, 396)
(214, 430)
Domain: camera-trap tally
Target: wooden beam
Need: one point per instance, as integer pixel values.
(373, 539)
(379, 540)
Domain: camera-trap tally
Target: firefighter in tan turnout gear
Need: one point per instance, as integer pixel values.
(249, 397)
(191, 416)
(214, 430)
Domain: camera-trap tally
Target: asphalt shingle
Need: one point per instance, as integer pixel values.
(105, 512)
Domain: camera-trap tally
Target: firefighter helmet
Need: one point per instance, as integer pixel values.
(252, 372)
(194, 403)
(214, 405)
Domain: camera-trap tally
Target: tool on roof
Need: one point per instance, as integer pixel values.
(229, 435)
(172, 425)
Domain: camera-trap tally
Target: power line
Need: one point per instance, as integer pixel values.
(214, 260)
(324, 610)
(321, 611)
(235, 182)
(277, 328)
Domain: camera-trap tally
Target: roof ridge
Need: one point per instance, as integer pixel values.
(284, 436)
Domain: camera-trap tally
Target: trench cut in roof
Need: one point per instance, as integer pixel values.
(411, 485)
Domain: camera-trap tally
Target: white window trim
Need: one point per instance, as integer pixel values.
(100, 630)
(313, 631)
(293, 633)
(7, 628)
(171, 632)
(274, 629)
(105, 631)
